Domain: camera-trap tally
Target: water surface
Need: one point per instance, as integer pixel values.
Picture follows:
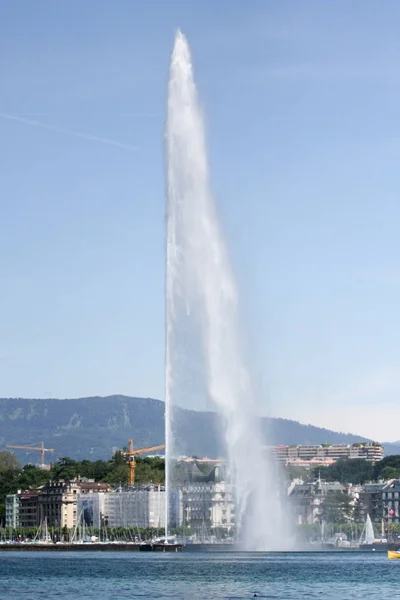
(115, 576)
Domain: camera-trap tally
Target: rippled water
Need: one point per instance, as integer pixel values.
(106, 576)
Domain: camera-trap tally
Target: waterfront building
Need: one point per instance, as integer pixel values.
(310, 454)
(371, 501)
(136, 508)
(12, 511)
(390, 501)
(201, 500)
(58, 504)
(58, 500)
(207, 506)
(55, 503)
(310, 464)
(140, 507)
(89, 486)
(306, 499)
(28, 509)
(91, 509)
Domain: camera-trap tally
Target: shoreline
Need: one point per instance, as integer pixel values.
(121, 547)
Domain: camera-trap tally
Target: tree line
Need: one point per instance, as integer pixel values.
(115, 471)
(152, 469)
(359, 471)
(356, 471)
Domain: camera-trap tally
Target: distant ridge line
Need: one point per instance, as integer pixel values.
(94, 426)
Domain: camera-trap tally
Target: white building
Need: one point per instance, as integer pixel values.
(313, 453)
(91, 509)
(207, 506)
(12, 511)
(139, 507)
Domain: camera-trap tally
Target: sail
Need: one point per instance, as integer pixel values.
(368, 535)
(369, 531)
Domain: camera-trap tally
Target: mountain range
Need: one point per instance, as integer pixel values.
(95, 427)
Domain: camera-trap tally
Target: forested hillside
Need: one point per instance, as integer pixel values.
(93, 428)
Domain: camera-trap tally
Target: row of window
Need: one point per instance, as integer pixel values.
(390, 495)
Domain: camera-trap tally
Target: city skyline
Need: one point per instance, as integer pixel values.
(300, 106)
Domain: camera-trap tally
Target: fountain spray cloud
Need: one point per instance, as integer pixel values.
(200, 286)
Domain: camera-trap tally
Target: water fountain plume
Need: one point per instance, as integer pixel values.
(201, 296)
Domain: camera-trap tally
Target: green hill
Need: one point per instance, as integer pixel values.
(94, 427)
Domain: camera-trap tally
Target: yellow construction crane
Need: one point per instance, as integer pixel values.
(41, 449)
(131, 457)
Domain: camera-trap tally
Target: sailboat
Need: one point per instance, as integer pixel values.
(42, 535)
(367, 536)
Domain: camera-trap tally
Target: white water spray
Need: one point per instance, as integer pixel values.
(202, 317)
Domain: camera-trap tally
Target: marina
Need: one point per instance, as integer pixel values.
(91, 547)
(157, 546)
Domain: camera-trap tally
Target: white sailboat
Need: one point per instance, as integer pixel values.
(367, 536)
(42, 535)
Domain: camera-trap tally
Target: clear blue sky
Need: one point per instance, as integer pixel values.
(302, 108)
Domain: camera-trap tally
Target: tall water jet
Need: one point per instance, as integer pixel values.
(203, 348)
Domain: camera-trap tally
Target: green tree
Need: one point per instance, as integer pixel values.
(336, 507)
(118, 459)
(115, 471)
(65, 533)
(355, 471)
(8, 485)
(32, 477)
(66, 469)
(294, 472)
(119, 475)
(150, 469)
(8, 460)
(387, 468)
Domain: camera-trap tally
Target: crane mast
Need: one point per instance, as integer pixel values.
(130, 455)
(40, 449)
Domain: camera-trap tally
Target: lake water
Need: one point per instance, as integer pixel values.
(208, 575)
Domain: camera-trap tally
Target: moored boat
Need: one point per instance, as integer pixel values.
(393, 554)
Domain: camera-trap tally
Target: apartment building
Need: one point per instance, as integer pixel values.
(206, 506)
(12, 511)
(140, 507)
(28, 509)
(370, 499)
(56, 503)
(306, 499)
(391, 501)
(371, 452)
(58, 500)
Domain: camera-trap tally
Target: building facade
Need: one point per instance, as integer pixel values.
(371, 452)
(12, 511)
(391, 501)
(58, 504)
(370, 499)
(306, 500)
(28, 509)
(206, 506)
(141, 507)
(58, 501)
(55, 503)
